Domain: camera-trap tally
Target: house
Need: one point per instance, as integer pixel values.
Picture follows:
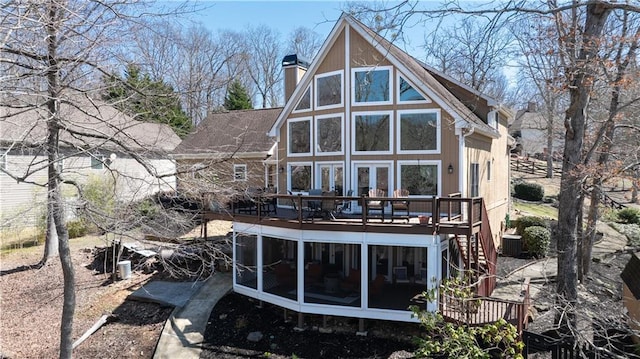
(228, 152)
(97, 143)
(361, 122)
(529, 128)
(631, 293)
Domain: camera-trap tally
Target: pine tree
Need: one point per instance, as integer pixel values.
(237, 97)
(147, 100)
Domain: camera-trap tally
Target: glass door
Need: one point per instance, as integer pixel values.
(373, 175)
(331, 177)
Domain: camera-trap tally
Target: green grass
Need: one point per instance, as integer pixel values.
(535, 209)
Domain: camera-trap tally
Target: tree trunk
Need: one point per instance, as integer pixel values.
(550, 150)
(55, 202)
(571, 182)
(635, 187)
(51, 239)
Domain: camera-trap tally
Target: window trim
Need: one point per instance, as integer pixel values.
(316, 141)
(311, 142)
(436, 163)
(365, 69)
(353, 132)
(236, 167)
(289, 172)
(310, 89)
(315, 84)
(426, 98)
(438, 131)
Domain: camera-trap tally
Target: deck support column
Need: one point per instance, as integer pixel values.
(300, 326)
(361, 332)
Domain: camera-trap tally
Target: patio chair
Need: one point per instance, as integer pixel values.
(400, 205)
(376, 204)
(328, 205)
(293, 201)
(314, 206)
(344, 205)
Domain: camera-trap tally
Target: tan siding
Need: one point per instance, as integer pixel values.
(335, 58)
(363, 54)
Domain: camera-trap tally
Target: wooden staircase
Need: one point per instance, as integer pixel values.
(479, 253)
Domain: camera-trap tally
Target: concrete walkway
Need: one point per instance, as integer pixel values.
(183, 332)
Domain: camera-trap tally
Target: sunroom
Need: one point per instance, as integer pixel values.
(353, 274)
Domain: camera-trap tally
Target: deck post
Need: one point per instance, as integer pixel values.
(361, 332)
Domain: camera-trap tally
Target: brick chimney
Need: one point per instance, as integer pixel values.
(531, 106)
(294, 68)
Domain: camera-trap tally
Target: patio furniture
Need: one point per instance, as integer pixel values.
(376, 204)
(344, 205)
(314, 206)
(313, 273)
(328, 205)
(400, 205)
(375, 287)
(293, 201)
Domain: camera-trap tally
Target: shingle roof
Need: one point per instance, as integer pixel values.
(631, 275)
(86, 124)
(231, 132)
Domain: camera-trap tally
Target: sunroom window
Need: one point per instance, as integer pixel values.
(329, 89)
(419, 131)
(300, 177)
(329, 134)
(420, 179)
(407, 93)
(300, 136)
(305, 101)
(372, 85)
(372, 132)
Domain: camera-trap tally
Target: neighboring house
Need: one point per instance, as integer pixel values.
(107, 145)
(631, 293)
(228, 150)
(529, 129)
(363, 116)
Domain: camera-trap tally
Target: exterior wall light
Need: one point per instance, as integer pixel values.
(450, 168)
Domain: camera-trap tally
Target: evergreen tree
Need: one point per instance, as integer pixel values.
(237, 97)
(147, 100)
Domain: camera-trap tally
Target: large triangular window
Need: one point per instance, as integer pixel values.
(305, 101)
(407, 93)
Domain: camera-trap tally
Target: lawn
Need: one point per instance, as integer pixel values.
(536, 209)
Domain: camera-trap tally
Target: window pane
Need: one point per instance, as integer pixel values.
(246, 259)
(329, 90)
(420, 179)
(408, 93)
(96, 163)
(329, 134)
(372, 86)
(305, 101)
(300, 178)
(240, 172)
(299, 141)
(279, 270)
(372, 133)
(418, 131)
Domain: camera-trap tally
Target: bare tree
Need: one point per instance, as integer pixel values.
(304, 42)
(473, 53)
(47, 85)
(264, 54)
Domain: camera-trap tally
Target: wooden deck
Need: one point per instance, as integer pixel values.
(456, 215)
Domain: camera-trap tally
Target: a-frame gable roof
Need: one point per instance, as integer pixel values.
(406, 64)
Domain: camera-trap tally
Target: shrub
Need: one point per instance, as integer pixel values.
(77, 229)
(629, 216)
(537, 240)
(529, 191)
(529, 221)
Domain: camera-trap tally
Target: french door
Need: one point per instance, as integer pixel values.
(331, 177)
(372, 175)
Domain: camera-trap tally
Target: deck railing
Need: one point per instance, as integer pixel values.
(452, 214)
(485, 310)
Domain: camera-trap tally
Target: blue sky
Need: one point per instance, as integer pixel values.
(284, 16)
